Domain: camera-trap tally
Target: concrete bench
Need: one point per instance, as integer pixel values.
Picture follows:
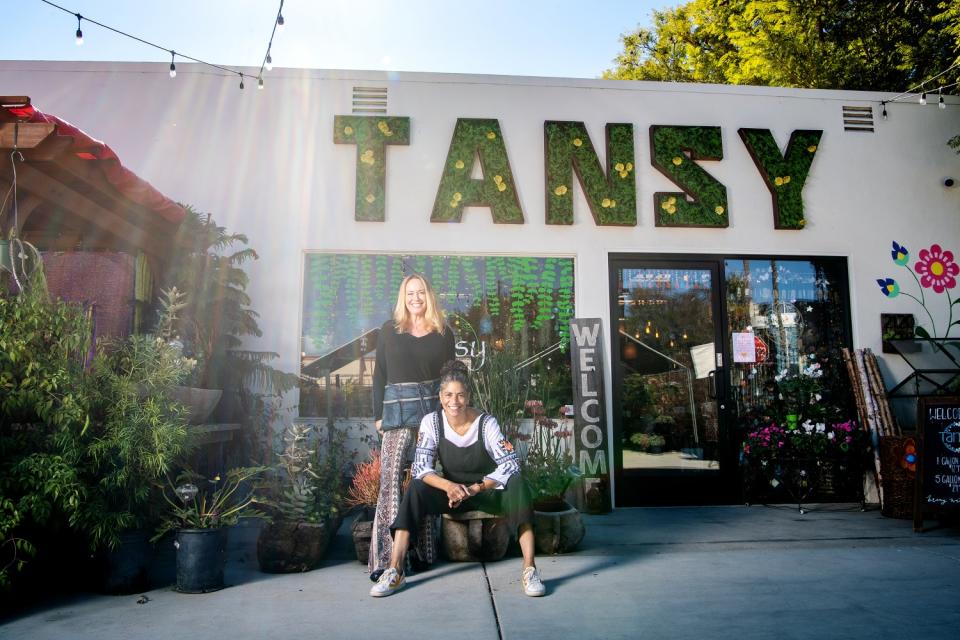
(474, 536)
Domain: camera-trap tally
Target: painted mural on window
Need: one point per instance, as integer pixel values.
(516, 305)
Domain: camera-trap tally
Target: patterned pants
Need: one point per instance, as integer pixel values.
(395, 450)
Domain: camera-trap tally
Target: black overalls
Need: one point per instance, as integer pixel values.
(464, 465)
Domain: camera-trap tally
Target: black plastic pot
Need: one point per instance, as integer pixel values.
(201, 556)
(126, 568)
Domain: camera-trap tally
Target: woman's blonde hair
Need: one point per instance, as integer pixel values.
(433, 315)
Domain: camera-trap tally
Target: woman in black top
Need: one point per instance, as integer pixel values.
(480, 471)
(411, 350)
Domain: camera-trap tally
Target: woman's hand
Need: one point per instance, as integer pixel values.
(456, 493)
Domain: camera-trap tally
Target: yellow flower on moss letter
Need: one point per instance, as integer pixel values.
(577, 142)
(561, 190)
(778, 181)
(348, 130)
(491, 135)
(677, 160)
(367, 157)
(458, 164)
(370, 198)
(718, 210)
(812, 148)
(384, 128)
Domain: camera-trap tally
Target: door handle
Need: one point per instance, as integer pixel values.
(713, 384)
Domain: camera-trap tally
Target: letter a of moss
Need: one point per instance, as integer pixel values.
(611, 195)
(673, 151)
(784, 174)
(477, 138)
(371, 134)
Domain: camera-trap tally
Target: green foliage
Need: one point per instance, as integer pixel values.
(611, 195)
(674, 150)
(309, 482)
(371, 134)
(217, 314)
(477, 138)
(501, 389)
(650, 442)
(834, 44)
(195, 502)
(784, 174)
(548, 464)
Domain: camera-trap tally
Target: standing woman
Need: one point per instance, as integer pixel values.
(412, 349)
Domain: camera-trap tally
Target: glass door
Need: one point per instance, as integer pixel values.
(667, 356)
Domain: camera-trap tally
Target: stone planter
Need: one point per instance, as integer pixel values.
(200, 403)
(362, 532)
(558, 528)
(293, 547)
(474, 536)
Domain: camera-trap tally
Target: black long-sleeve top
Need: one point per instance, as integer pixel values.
(402, 357)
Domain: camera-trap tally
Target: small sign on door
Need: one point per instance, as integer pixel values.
(744, 347)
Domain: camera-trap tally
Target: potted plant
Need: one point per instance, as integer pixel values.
(549, 469)
(307, 492)
(201, 511)
(363, 495)
(136, 435)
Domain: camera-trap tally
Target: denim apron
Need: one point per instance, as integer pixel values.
(405, 403)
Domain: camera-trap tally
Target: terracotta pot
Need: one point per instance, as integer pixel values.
(559, 530)
(200, 403)
(292, 547)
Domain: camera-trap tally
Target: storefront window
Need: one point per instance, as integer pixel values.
(797, 313)
(520, 304)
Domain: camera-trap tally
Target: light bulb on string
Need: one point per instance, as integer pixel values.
(79, 31)
(923, 98)
(173, 65)
(260, 84)
(941, 103)
(269, 62)
(241, 81)
(884, 110)
(280, 17)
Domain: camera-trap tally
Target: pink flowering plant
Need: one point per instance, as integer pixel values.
(546, 459)
(772, 443)
(937, 270)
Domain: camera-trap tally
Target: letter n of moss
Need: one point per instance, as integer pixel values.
(473, 138)
(611, 195)
(371, 134)
(673, 151)
(784, 173)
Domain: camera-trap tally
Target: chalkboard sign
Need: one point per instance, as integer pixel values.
(939, 427)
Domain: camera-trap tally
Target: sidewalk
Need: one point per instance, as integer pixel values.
(701, 572)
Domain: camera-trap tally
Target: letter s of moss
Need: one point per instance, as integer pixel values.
(673, 151)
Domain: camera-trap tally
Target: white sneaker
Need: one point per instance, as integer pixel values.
(390, 582)
(530, 578)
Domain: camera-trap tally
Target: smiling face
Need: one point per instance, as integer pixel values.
(415, 297)
(454, 398)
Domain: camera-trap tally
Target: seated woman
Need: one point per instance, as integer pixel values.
(481, 471)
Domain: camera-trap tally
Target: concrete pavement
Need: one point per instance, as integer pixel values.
(699, 572)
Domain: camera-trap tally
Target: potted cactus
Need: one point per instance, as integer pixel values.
(363, 496)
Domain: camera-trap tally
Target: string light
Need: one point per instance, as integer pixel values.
(909, 93)
(884, 105)
(923, 98)
(278, 23)
(260, 83)
(941, 103)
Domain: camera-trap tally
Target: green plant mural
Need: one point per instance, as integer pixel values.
(512, 299)
(611, 195)
(673, 152)
(784, 173)
(371, 134)
(472, 139)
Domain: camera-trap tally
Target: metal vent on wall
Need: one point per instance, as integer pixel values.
(369, 99)
(857, 118)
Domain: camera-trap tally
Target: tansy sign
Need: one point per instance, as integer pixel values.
(569, 154)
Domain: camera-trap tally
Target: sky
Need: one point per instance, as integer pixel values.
(562, 38)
